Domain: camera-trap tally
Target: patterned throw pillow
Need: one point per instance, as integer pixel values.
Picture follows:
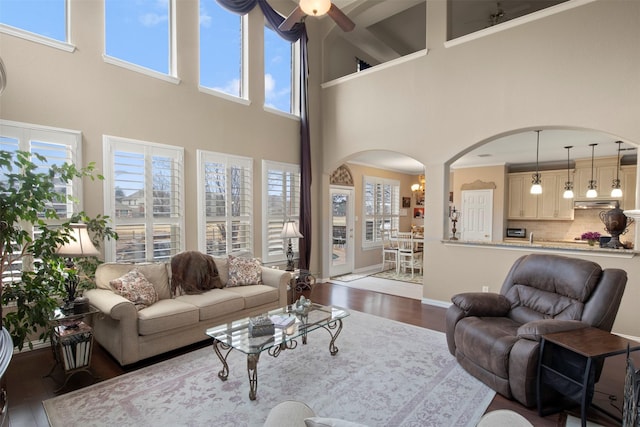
(244, 271)
(136, 288)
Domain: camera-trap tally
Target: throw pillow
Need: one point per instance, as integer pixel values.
(193, 272)
(329, 422)
(244, 271)
(136, 288)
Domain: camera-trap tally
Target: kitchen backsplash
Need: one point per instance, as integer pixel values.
(584, 220)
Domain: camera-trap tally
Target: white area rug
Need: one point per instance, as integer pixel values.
(386, 373)
(385, 286)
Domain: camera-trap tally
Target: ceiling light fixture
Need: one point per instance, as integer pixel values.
(591, 188)
(315, 7)
(536, 187)
(616, 190)
(568, 185)
(419, 186)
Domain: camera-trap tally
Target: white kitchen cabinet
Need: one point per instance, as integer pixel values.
(628, 178)
(522, 204)
(603, 173)
(548, 205)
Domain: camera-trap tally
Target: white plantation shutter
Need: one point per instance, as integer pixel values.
(281, 202)
(144, 196)
(225, 203)
(59, 146)
(381, 207)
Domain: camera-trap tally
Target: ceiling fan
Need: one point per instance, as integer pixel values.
(317, 8)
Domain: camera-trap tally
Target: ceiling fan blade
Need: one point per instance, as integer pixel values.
(294, 17)
(341, 19)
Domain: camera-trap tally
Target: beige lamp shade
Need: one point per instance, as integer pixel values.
(290, 231)
(79, 244)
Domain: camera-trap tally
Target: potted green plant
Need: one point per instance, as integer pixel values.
(33, 276)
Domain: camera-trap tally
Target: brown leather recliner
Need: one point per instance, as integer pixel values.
(496, 337)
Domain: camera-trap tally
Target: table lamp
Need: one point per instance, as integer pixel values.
(79, 245)
(290, 231)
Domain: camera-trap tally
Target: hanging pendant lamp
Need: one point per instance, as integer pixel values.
(616, 190)
(536, 183)
(591, 188)
(568, 185)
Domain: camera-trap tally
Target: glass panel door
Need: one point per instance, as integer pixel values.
(341, 231)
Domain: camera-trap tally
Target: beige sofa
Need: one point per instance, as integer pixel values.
(172, 322)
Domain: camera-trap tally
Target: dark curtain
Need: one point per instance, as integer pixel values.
(298, 32)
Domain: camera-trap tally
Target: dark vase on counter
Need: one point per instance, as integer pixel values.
(616, 223)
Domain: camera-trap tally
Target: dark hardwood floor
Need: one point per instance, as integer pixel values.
(27, 387)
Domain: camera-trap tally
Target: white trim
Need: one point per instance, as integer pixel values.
(531, 17)
(281, 113)
(140, 69)
(223, 95)
(376, 68)
(36, 38)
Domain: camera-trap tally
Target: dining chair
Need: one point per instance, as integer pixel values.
(409, 254)
(389, 249)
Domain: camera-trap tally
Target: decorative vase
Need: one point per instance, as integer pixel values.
(591, 242)
(616, 222)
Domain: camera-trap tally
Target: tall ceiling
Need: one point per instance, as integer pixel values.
(389, 29)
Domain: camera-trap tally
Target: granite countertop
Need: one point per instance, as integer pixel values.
(561, 245)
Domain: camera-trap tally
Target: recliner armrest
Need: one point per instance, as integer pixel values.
(482, 304)
(535, 329)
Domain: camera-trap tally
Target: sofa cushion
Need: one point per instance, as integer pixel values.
(136, 288)
(193, 272)
(156, 273)
(214, 303)
(165, 315)
(244, 271)
(256, 295)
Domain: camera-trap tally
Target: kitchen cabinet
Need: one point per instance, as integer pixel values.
(548, 205)
(522, 204)
(604, 172)
(628, 178)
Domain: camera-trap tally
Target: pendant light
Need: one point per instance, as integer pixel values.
(568, 185)
(591, 188)
(616, 190)
(536, 187)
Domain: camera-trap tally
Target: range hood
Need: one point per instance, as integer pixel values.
(595, 204)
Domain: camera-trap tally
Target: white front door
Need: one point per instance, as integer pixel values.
(342, 231)
(476, 216)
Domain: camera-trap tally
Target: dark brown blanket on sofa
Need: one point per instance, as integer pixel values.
(193, 272)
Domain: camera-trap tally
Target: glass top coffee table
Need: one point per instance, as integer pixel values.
(236, 335)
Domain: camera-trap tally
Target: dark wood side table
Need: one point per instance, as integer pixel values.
(71, 342)
(301, 280)
(567, 365)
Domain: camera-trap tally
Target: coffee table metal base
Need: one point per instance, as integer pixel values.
(252, 359)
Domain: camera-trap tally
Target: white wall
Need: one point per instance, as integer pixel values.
(579, 68)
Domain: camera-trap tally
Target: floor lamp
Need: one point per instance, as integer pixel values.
(79, 245)
(290, 231)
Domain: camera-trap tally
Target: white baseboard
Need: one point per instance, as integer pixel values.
(436, 303)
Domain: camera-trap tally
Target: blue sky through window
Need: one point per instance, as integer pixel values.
(137, 31)
(44, 17)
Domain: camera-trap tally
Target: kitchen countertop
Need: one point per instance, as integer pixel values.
(549, 245)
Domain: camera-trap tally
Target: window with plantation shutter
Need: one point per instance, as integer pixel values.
(280, 202)
(58, 146)
(381, 209)
(225, 203)
(144, 196)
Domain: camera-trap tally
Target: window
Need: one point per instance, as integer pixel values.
(278, 72)
(280, 202)
(220, 49)
(225, 203)
(58, 146)
(139, 35)
(381, 209)
(144, 196)
(42, 21)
